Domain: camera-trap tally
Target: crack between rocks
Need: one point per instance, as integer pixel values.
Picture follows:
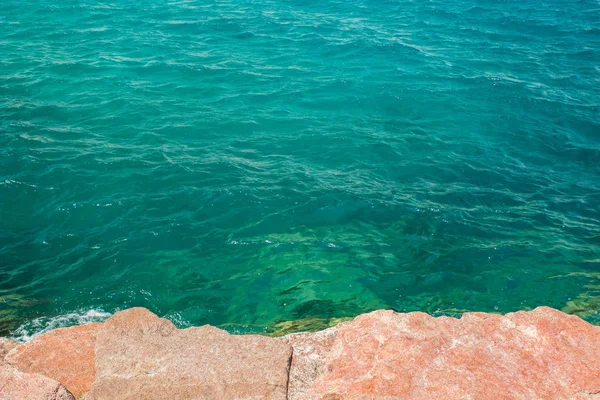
(289, 374)
(55, 394)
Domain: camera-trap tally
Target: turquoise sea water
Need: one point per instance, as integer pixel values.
(244, 163)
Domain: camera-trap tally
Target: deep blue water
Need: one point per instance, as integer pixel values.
(244, 163)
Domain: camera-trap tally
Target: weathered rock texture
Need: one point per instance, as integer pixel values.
(6, 345)
(310, 352)
(140, 356)
(542, 354)
(17, 385)
(65, 355)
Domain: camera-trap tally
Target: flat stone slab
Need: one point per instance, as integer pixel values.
(65, 355)
(17, 385)
(140, 356)
(541, 354)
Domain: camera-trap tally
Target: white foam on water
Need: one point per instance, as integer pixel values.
(41, 325)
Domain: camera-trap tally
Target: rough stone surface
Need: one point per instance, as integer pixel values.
(65, 355)
(310, 350)
(140, 356)
(17, 385)
(6, 345)
(542, 354)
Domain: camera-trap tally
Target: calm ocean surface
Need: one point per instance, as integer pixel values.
(244, 163)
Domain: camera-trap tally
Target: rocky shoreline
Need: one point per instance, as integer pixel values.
(539, 354)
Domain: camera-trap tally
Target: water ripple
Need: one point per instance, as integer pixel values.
(255, 162)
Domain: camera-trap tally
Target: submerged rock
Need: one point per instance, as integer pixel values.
(141, 356)
(540, 354)
(65, 355)
(17, 385)
(307, 324)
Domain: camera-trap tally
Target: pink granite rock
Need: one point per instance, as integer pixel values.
(140, 356)
(65, 355)
(541, 354)
(310, 350)
(17, 385)
(6, 345)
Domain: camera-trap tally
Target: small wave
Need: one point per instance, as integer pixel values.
(41, 325)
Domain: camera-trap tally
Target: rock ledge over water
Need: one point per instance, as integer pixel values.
(540, 354)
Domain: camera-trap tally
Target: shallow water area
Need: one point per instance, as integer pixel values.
(253, 163)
